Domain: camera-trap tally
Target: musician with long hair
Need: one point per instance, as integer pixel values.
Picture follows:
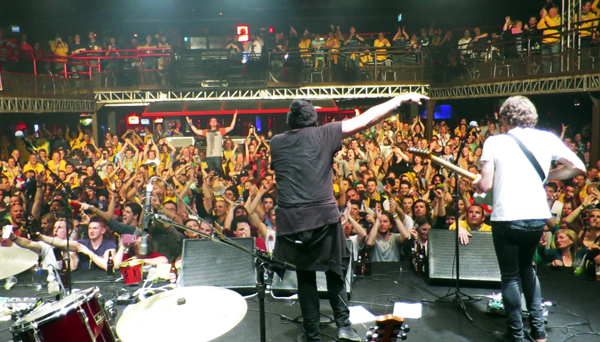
(309, 232)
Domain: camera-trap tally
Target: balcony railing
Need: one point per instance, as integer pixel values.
(24, 85)
(508, 56)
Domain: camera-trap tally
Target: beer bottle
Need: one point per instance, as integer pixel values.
(358, 266)
(591, 269)
(419, 260)
(62, 265)
(110, 265)
(173, 272)
(367, 264)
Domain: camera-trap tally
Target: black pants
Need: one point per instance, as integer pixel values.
(309, 301)
(515, 243)
(215, 164)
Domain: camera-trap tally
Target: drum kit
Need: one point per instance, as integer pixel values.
(200, 313)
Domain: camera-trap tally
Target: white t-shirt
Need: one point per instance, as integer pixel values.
(355, 246)
(270, 239)
(518, 192)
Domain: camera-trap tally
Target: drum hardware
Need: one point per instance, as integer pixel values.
(86, 320)
(80, 311)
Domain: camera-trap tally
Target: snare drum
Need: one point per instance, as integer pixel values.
(79, 317)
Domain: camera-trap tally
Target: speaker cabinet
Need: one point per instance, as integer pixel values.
(478, 263)
(288, 285)
(208, 263)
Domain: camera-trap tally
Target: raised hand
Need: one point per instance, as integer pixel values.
(463, 235)
(83, 249)
(411, 98)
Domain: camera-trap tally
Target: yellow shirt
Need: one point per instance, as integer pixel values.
(61, 166)
(588, 27)
(463, 224)
(39, 168)
(546, 23)
(60, 49)
(381, 43)
(304, 45)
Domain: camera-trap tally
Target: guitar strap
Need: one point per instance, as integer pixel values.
(531, 158)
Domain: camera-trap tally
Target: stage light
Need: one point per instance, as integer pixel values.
(357, 111)
(271, 30)
(258, 123)
(243, 32)
(133, 120)
(85, 119)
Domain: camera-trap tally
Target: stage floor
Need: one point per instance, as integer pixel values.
(440, 321)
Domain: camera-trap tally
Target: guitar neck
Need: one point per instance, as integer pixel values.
(453, 167)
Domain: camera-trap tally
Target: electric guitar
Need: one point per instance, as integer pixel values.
(426, 154)
(388, 328)
(480, 198)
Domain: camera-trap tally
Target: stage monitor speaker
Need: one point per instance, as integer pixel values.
(288, 285)
(478, 263)
(209, 263)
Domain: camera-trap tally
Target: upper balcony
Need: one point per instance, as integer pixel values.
(514, 63)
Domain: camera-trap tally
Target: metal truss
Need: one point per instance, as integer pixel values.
(562, 84)
(123, 98)
(37, 105)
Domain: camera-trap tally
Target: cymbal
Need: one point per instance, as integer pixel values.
(198, 313)
(15, 260)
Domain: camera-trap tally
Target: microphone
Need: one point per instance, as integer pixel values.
(474, 125)
(28, 145)
(164, 218)
(147, 221)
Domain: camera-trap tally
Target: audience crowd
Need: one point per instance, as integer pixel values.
(389, 196)
(538, 34)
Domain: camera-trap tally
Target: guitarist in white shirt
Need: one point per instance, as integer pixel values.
(518, 221)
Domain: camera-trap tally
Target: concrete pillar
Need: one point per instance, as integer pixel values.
(595, 143)
(111, 122)
(429, 120)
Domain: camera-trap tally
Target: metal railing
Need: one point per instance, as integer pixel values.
(23, 85)
(519, 55)
(106, 68)
(501, 58)
(336, 66)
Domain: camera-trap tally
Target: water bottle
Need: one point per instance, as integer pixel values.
(37, 277)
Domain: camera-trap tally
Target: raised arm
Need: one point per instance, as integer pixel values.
(375, 114)
(59, 243)
(201, 132)
(370, 242)
(25, 243)
(36, 210)
(256, 222)
(232, 125)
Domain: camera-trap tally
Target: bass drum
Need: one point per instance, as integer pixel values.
(79, 317)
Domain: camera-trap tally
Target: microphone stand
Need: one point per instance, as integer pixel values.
(263, 261)
(67, 193)
(458, 294)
